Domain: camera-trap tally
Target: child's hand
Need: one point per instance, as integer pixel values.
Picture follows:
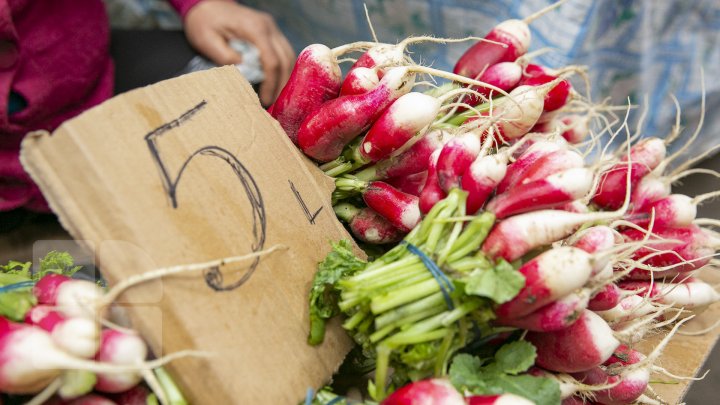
(210, 24)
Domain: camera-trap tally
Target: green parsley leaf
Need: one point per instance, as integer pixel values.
(516, 357)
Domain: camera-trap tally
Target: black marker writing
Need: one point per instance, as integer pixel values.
(298, 197)
(213, 277)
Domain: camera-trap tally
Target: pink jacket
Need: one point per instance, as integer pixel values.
(54, 53)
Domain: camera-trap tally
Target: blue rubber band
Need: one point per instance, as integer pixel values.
(16, 286)
(309, 396)
(446, 286)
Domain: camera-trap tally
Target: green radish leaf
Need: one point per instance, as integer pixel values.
(57, 262)
(500, 283)
(15, 304)
(340, 263)
(516, 357)
(540, 390)
(466, 372)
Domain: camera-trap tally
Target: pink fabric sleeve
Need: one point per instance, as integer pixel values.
(183, 6)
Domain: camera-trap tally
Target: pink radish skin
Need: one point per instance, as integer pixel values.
(630, 384)
(398, 124)
(695, 247)
(649, 151)
(411, 161)
(426, 392)
(557, 97)
(503, 75)
(432, 192)
(400, 209)
(554, 316)
(78, 336)
(516, 170)
(380, 55)
(455, 157)
(607, 298)
(410, 184)
(548, 277)
(550, 192)
(72, 298)
(367, 225)
(513, 237)
(480, 179)
(690, 294)
(314, 80)
(119, 348)
(587, 343)
(672, 211)
(359, 80)
(326, 131)
(514, 33)
(504, 399)
(138, 395)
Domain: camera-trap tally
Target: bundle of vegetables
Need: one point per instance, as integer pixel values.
(57, 344)
(503, 232)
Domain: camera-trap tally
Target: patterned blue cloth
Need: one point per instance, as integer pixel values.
(633, 47)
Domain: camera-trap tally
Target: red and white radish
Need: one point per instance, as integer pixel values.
(359, 80)
(121, 348)
(73, 298)
(79, 336)
(515, 34)
(411, 184)
(516, 170)
(585, 344)
(434, 391)
(557, 97)
(551, 275)
(557, 315)
(553, 191)
(502, 399)
(481, 178)
(400, 209)
(432, 193)
(315, 79)
(455, 157)
(607, 298)
(325, 132)
(367, 225)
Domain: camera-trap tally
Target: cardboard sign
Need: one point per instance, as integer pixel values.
(190, 170)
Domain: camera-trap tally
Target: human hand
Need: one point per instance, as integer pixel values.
(210, 24)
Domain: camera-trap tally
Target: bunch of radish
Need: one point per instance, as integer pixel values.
(497, 220)
(61, 346)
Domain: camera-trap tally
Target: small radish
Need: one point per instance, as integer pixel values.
(517, 114)
(557, 97)
(78, 336)
(551, 163)
(73, 298)
(315, 79)
(503, 399)
(587, 343)
(413, 160)
(367, 225)
(688, 294)
(504, 75)
(434, 391)
(137, 395)
(359, 80)
(515, 34)
(411, 184)
(481, 178)
(553, 191)
(513, 237)
(455, 157)
(629, 308)
(651, 188)
(326, 131)
(398, 124)
(594, 240)
(671, 211)
(607, 298)
(681, 249)
(432, 193)
(121, 348)
(548, 277)
(553, 316)
(525, 160)
(516, 170)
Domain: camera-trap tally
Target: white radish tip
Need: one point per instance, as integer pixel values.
(518, 30)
